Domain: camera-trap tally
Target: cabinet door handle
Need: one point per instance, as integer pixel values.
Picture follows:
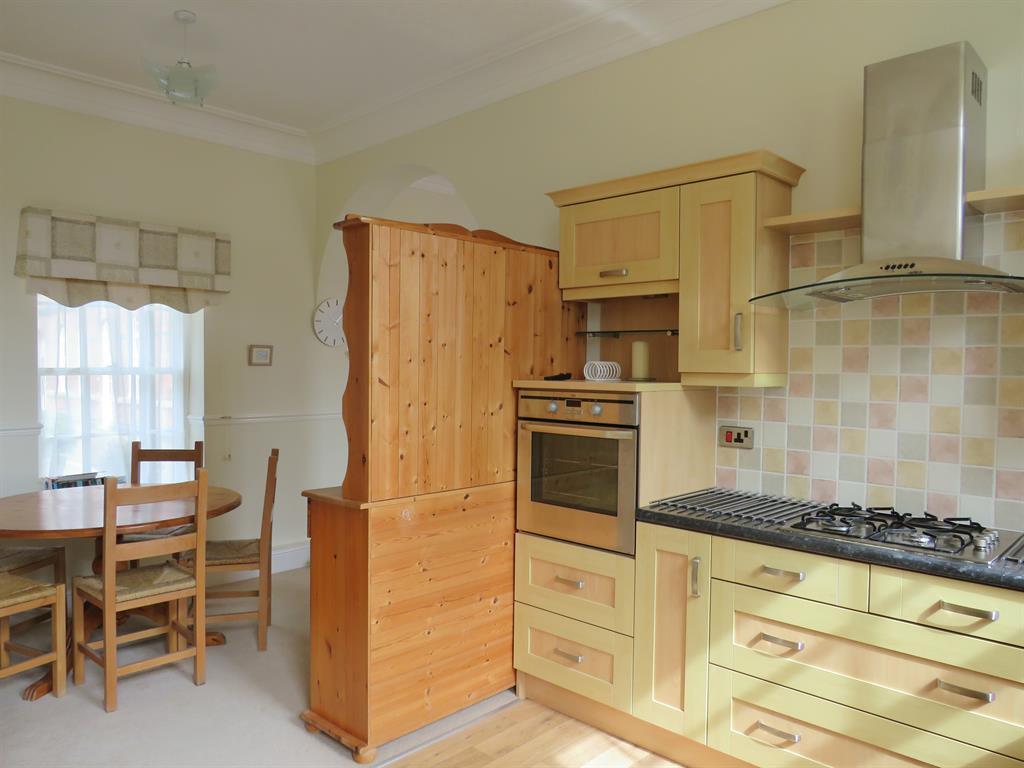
(798, 575)
(737, 331)
(966, 610)
(577, 583)
(695, 577)
(791, 737)
(573, 657)
(794, 645)
(622, 272)
(987, 696)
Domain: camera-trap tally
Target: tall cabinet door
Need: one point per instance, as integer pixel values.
(716, 275)
(620, 240)
(670, 644)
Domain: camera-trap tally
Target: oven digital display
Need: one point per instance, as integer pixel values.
(573, 403)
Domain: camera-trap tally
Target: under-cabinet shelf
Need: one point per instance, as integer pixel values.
(617, 334)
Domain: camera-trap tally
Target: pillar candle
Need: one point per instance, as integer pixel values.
(641, 360)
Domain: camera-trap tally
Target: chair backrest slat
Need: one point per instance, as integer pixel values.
(269, 496)
(142, 455)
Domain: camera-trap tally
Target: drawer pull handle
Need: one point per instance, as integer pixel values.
(791, 737)
(795, 645)
(577, 583)
(573, 657)
(737, 331)
(966, 610)
(695, 577)
(798, 575)
(623, 272)
(987, 696)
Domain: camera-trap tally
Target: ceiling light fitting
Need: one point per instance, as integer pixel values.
(183, 83)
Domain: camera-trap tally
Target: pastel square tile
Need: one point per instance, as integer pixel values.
(855, 359)
(748, 480)
(853, 414)
(982, 303)
(1012, 304)
(944, 448)
(909, 499)
(852, 440)
(1013, 235)
(799, 438)
(910, 474)
(977, 481)
(825, 439)
(856, 332)
(750, 408)
(884, 360)
(947, 360)
(801, 255)
(946, 389)
(980, 361)
(1012, 330)
(881, 471)
(884, 388)
(913, 417)
(981, 451)
(801, 334)
(749, 459)
(773, 435)
(775, 409)
(798, 463)
(829, 359)
(980, 390)
(914, 389)
(980, 508)
(1009, 485)
(725, 477)
(948, 331)
(1011, 361)
(915, 360)
(824, 465)
(829, 254)
(886, 332)
(882, 416)
(912, 445)
(948, 304)
(852, 468)
(801, 410)
(726, 457)
(801, 359)
(980, 420)
(852, 493)
(1011, 422)
(854, 386)
(773, 460)
(827, 332)
(882, 443)
(915, 331)
(942, 504)
(916, 304)
(798, 487)
(982, 330)
(801, 384)
(1009, 515)
(1009, 453)
(889, 306)
(826, 386)
(856, 310)
(943, 478)
(945, 419)
(823, 490)
(1011, 392)
(728, 407)
(826, 412)
(879, 496)
(829, 311)
(773, 484)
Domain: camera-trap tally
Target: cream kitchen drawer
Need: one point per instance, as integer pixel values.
(815, 577)
(578, 582)
(776, 727)
(958, 606)
(593, 662)
(875, 664)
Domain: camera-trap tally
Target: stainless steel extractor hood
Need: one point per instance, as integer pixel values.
(924, 148)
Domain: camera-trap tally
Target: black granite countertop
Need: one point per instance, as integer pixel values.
(848, 549)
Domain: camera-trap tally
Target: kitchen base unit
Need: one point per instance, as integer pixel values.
(410, 610)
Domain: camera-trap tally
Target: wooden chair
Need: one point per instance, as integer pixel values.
(17, 595)
(248, 555)
(167, 583)
(27, 559)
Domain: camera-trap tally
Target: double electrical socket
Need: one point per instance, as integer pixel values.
(735, 437)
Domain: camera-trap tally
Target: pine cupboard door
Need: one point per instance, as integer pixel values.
(620, 240)
(716, 275)
(673, 608)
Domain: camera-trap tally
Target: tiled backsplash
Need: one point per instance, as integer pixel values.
(914, 401)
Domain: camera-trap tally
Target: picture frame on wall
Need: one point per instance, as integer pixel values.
(261, 354)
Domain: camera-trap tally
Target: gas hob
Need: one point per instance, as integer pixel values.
(955, 538)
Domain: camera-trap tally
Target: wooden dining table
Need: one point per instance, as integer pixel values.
(77, 513)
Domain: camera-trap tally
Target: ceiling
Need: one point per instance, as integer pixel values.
(348, 73)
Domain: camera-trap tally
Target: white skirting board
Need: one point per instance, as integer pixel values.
(288, 557)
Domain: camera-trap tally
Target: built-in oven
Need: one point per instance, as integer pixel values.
(577, 467)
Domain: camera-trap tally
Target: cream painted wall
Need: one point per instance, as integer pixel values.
(429, 207)
(788, 79)
(59, 159)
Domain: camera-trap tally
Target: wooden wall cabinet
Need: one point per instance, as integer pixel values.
(726, 257)
(622, 241)
(670, 643)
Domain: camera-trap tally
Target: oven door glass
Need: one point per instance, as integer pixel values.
(575, 471)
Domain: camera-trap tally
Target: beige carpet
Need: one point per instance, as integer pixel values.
(245, 715)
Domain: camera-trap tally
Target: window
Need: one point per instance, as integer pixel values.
(108, 376)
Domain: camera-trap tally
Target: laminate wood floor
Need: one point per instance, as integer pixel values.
(527, 734)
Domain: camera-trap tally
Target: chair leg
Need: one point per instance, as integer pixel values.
(172, 633)
(270, 592)
(110, 659)
(77, 636)
(60, 662)
(59, 568)
(263, 610)
(5, 636)
(199, 633)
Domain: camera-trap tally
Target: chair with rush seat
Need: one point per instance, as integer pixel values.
(169, 583)
(17, 595)
(16, 561)
(248, 555)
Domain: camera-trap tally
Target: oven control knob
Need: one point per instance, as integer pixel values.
(596, 409)
(552, 407)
